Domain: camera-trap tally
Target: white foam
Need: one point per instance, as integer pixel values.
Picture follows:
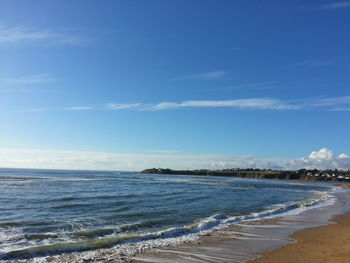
(191, 233)
(7, 237)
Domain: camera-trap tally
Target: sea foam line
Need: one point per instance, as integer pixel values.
(131, 244)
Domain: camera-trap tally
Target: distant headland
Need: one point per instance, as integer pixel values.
(301, 174)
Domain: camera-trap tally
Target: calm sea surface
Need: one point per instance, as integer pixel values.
(48, 212)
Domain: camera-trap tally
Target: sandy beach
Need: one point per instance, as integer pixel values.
(322, 244)
(326, 244)
(314, 236)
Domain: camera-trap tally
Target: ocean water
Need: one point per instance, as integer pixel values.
(49, 214)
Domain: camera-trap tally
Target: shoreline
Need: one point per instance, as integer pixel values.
(255, 173)
(239, 242)
(266, 240)
(328, 243)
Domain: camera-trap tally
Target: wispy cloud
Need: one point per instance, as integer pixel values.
(29, 79)
(254, 103)
(328, 104)
(251, 103)
(336, 101)
(336, 5)
(334, 104)
(204, 76)
(11, 35)
(78, 108)
(123, 106)
(320, 62)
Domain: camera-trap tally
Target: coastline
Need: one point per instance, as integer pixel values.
(230, 241)
(321, 244)
(301, 174)
(270, 240)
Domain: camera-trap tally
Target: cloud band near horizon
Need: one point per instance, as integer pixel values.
(50, 159)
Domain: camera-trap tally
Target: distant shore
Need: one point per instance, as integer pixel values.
(301, 174)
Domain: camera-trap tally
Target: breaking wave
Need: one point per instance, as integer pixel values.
(104, 239)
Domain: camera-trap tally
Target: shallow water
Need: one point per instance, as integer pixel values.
(249, 239)
(49, 212)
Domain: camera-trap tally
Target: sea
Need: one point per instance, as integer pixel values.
(64, 216)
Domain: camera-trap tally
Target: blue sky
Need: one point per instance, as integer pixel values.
(173, 79)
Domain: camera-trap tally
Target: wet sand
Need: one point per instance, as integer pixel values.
(326, 244)
(322, 244)
(214, 247)
(320, 236)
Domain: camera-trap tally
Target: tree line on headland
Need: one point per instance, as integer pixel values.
(301, 174)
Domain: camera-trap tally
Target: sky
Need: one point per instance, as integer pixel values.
(129, 85)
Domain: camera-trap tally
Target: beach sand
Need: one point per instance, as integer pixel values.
(214, 247)
(320, 237)
(326, 244)
(329, 244)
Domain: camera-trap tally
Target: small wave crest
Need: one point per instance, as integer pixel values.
(17, 178)
(172, 235)
(66, 247)
(143, 224)
(89, 233)
(5, 224)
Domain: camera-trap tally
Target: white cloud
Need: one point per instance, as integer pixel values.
(343, 156)
(205, 76)
(324, 153)
(123, 106)
(78, 108)
(254, 103)
(336, 5)
(29, 79)
(322, 159)
(330, 104)
(117, 161)
(333, 104)
(10, 35)
(336, 101)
